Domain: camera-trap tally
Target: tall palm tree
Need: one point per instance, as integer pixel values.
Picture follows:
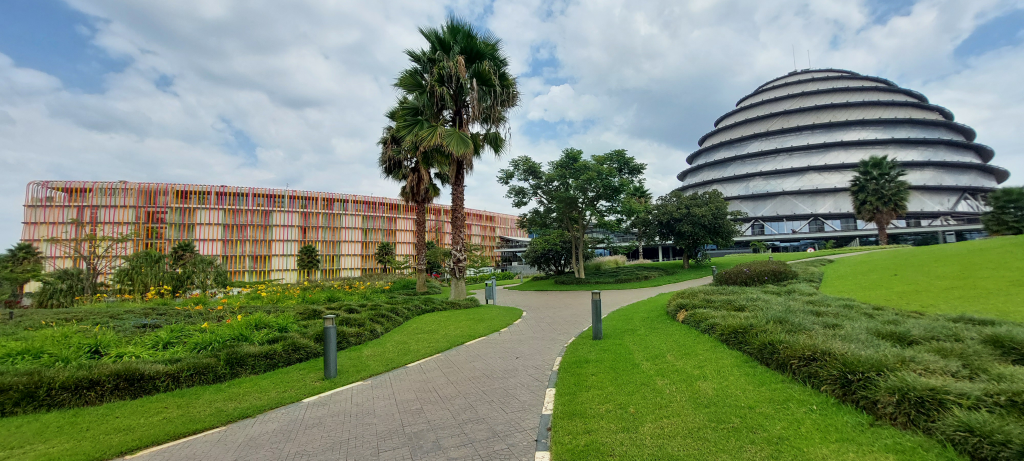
(404, 160)
(879, 193)
(21, 263)
(463, 82)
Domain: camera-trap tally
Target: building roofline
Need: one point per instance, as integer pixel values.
(967, 132)
(869, 78)
(805, 71)
(1001, 174)
(945, 113)
(887, 89)
(984, 152)
(846, 189)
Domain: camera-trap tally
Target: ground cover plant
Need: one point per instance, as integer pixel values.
(119, 428)
(103, 352)
(756, 273)
(675, 272)
(981, 277)
(959, 378)
(688, 396)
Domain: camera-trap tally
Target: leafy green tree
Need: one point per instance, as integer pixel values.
(405, 160)
(437, 258)
(759, 247)
(95, 253)
(477, 257)
(20, 264)
(461, 91)
(550, 252)
(143, 270)
(1006, 216)
(61, 288)
(308, 260)
(694, 221)
(385, 255)
(636, 216)
(879, 193)
(572, 194)
(202, 273)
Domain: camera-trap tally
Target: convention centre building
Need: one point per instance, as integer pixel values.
(255, 232)
(785, 156)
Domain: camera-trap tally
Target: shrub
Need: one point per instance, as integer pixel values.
(957, 378)
(485, 277)
(621, 274)
(756, 273)
(70, 364)
(60, 289)
(601, 263)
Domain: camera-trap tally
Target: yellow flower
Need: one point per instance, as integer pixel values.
(239, 316)
(44, 322)
(206, 325)
(220, 307)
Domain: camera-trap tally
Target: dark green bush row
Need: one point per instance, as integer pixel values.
(38, 389)
(485, 277)
(756, 273)
(958, 378)
(620, 274)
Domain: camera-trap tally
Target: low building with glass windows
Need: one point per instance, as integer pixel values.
(255, 232)
(785, 156)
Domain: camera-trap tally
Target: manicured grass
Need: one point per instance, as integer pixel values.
(688, 396)
(678, 274)
(115, 429)
(980, 277)
(446, 290)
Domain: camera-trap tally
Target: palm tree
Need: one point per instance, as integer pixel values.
(879, 194)
(21, 263)
(461, 91)
(405, 161)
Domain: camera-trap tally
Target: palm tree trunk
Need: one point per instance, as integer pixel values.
(421, 247)
(458, 283)
(883, 233)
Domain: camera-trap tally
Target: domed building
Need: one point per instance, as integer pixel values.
(785, 155)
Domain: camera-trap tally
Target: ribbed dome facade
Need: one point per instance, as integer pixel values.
(785, 156)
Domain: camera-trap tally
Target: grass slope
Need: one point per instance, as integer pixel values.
(690, 397)
(980, 277)
(119, 428)
(678, 274)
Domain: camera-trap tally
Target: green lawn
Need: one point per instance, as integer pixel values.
(678, 274)
(690, 397)
(446, 290)
(980, 277)
(119, 428)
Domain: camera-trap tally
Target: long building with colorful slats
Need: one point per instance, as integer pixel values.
(785, 156)
(256, 232)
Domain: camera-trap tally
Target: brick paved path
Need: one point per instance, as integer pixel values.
(477, 401)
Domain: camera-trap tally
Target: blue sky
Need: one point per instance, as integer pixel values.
(267, 94)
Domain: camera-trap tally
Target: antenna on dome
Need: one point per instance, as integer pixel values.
(808, 59)
(794, 58)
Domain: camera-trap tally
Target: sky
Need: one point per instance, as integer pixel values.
(292, 94)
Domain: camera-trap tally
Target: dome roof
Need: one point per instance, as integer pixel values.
(799, 136)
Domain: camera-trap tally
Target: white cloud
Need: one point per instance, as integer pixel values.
(307, 82)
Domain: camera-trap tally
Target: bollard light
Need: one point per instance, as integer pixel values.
(494, 291)
(10, 315)
(714, 271)
(330, 348)
(595, 314)
(771, 258)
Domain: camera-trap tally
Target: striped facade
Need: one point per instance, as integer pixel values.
(256, 232)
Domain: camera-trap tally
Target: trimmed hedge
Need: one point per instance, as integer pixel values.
(958, 378)
(756, 273)
(485, 277)
(44, 389)
(619, 274)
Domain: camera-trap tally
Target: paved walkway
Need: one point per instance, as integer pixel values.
(478, 401)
